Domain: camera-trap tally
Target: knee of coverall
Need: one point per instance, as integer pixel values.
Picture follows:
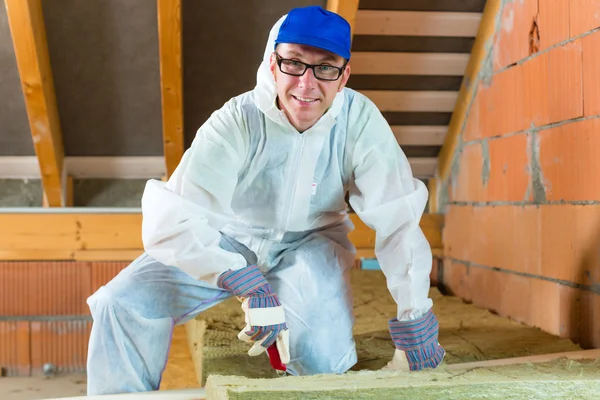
(103, 299)
(323, 360)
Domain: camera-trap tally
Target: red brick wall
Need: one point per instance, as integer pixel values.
(44, 317)
(522, 231)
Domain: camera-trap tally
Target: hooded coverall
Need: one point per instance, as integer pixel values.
(251, 189)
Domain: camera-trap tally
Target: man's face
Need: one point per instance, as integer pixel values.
(305, 98)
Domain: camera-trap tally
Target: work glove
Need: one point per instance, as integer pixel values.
(416, 343)
(264, 316)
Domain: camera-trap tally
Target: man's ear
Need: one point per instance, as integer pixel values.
(345, 77)
(273, 64)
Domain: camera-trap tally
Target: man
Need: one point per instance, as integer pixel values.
(256, 209)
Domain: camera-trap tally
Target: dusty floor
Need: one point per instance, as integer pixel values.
(35, 388)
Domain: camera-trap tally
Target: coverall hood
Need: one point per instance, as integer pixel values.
(265, 92)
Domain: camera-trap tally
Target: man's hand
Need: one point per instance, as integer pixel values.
(265, 319)
(416, 344)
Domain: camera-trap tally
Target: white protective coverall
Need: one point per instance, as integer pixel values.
(252, 190)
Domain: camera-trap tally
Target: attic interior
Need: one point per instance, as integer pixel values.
(495, 104)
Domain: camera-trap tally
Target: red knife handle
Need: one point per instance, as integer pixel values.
(274, 358)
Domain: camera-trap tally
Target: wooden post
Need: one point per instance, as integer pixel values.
(169, 40)
(26, 23)
(345, 8)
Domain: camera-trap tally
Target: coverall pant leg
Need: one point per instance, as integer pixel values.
(134, 314)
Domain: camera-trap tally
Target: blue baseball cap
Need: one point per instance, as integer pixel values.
(314, 26)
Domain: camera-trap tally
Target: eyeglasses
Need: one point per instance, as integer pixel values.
(298, 68)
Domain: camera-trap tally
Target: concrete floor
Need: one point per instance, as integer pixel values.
(38, 387)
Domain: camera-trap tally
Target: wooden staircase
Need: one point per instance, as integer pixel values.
(409, 57)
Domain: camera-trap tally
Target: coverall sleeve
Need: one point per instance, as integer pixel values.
(182, 217)
(388, 199)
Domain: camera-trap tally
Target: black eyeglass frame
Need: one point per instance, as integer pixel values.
(311, 66)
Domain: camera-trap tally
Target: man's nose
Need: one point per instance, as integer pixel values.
(308, 79)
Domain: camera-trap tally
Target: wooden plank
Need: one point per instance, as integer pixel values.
(116, 237)
(28, 32)
(118, 167)
(423, 167)
(479, 54)
(419, 135)
(432, 205)
(34, 231)
(169, 45)
(394, 63)
(195, 329)
(127, 167)
(412, 101)
(417, 23)
(70, 255)
(347, 9)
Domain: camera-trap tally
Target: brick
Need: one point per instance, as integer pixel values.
(551, 308)
(584, 16)
(469, 185)
(504, 236)
(534, 102)
(508, 178)
(15, 354)
(456, 279)
(512, 41)
(487, 287)
(63, 343)
(44, 288)
(104, 272)
(545, 89)
(499, 113)
(515, 298)
(591, 78)
(565, 90)
(553, 22)
(570, 235)
(589, 324)
(568, 161)
(458, 232)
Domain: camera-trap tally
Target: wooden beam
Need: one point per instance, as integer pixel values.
(345, 8)
(169, 45)
(72, 231)
(417, 23)
(424, 135)
(423, 167)
(116, 237)
(412, 101)
(391, 63)
(468, 90)
(26, 22)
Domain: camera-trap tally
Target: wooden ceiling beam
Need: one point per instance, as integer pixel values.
(171, 81)
(26, 22)
(345, 8)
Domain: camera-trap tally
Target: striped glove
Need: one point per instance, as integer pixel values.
(265, 319)
(416, 343)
